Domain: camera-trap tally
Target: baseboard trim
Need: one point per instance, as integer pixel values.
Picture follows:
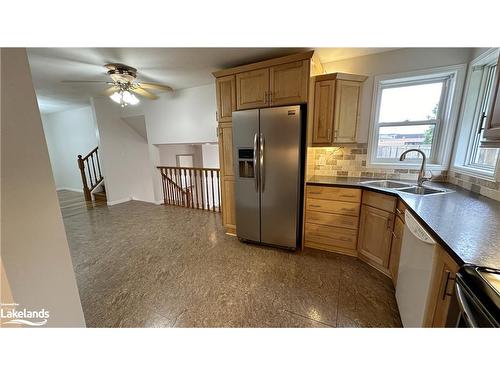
(70, 189)
(118, 201)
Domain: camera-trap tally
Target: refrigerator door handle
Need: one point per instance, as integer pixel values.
(262, 171)
(256, 169)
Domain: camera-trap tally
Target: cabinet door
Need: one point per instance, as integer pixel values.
(228, 204)
(226, 149)
(375, 235)
(442, 291)
(347, 95)
(226, 98)
(252, 89)
(324, 92)
(397, 239)
(492, 131)
(288, 83)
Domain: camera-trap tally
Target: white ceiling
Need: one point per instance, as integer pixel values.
(177, 67)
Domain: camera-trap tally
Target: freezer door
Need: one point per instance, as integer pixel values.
(247, 197)
(280, 171)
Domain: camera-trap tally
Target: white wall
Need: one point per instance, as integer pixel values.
(35, 251)
(210, 155)
(126, 157)
(183, 116)
(129, 161)
(398, 61)
(69, 134)
(168, 154)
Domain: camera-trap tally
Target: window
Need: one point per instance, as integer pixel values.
(482, 158)
(470, 157)
(412, 111)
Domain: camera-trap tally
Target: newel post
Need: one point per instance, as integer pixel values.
(86, 190)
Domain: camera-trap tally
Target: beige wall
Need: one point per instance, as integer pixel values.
(34, 248)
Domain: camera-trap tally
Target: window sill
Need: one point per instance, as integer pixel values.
(473, 172)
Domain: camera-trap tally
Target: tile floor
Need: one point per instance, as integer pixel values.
(142, 265)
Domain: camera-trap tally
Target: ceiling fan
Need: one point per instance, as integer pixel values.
(124, 85)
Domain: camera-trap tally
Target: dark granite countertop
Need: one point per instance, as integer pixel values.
(466, 224)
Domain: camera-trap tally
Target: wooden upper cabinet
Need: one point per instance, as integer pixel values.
(289, 83)
(375, 235)
(347, 96)
(226, 98)
(492, 131)
(323, 112)
(252, 89)
(336, 108)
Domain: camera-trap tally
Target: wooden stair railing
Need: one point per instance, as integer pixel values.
(197, 188)
(91, 176)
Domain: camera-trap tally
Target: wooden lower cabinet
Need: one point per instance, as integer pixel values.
(442, 292)
(331, 220)
(228, 205)
(375, 237)
(397, 240)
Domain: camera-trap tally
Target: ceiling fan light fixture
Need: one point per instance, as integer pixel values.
(124, 98)
(130, 98)
(116, 97)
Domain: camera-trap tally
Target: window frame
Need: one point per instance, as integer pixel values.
(467, 134)
(445, 122)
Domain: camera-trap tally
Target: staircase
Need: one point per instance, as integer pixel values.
(92, 178)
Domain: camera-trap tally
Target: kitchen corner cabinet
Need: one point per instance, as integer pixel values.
(376, 224)
(336, 108)
(492, 130)
(226, 98)
(442, 292)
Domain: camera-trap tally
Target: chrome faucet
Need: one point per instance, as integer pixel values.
(421, 175)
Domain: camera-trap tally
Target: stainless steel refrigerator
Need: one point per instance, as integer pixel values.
(268, 154)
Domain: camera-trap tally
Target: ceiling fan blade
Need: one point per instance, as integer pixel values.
(70, 81)
(155, 86)
(111, 90)
(144, 93)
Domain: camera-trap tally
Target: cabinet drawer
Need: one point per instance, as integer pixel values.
(335, 220)
(334, 237)
(332, 207)
(381, 201)
(334, 193)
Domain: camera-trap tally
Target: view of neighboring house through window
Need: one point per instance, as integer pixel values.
(410, 112)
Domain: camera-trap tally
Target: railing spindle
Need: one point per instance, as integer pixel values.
(189, 187)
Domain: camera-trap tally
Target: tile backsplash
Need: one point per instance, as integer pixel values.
(351, 161)
(484, 187)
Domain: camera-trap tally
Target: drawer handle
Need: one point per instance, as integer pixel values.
(314, 192)
(399, 211)
(315, 205)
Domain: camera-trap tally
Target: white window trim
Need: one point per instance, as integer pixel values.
(464, 133)
(447, 129)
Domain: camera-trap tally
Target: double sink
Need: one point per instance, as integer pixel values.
(406, 187)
